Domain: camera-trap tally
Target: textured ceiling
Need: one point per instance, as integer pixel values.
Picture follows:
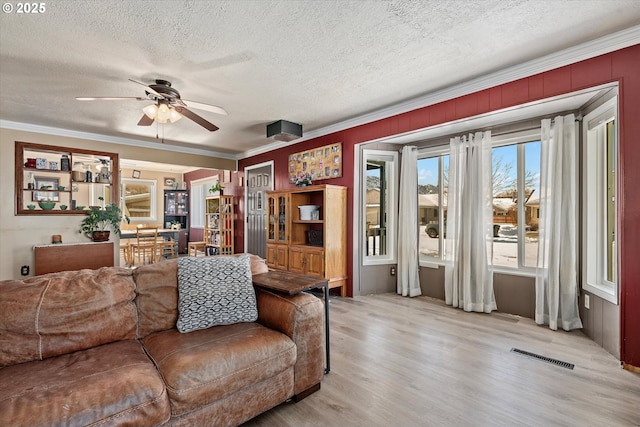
(312, 62)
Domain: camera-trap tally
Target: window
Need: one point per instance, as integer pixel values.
(432, 196)
(380, 206)
(516, 170)
(599, 202)
(139, 199)
(199, 192)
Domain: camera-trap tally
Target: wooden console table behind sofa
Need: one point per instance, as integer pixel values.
(72, 256)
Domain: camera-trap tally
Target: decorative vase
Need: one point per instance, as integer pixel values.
(100, 236)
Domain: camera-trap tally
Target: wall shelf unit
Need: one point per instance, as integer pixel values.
(218, 227)
(52, 180)
(315, 246)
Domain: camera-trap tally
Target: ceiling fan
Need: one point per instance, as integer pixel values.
(168, 105)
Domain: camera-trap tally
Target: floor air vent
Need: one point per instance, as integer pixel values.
(544, 358)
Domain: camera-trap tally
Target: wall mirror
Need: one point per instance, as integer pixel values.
(139, 199)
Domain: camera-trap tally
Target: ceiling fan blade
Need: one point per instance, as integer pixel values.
(109, 98)
(205, 107)
(149, 89)
(145, 121)
(196, 118)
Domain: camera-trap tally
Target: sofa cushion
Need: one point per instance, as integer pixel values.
(204, 366)
(111, 385)
(59, 313)
(157, 289)
(215, 291)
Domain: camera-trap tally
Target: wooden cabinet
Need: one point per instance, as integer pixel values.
(56, 180)
(278, 256)
(218, 227)
(306, 260)
(309, 244)
(72, 256)
(176, 213)
(278, 220)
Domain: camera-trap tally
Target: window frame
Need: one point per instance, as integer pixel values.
(518, 138)
(391, 159)
(594, 202)
(199, 192)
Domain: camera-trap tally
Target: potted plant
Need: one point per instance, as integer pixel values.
(98, 222)
(216, 189)
(303, 180)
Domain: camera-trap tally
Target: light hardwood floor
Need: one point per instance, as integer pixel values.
(415, 362)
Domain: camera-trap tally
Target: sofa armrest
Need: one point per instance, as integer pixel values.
(301, 318)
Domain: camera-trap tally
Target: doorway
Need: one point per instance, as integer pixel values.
(259, 180)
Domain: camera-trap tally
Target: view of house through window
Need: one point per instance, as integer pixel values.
(516, 170)
(432, 171)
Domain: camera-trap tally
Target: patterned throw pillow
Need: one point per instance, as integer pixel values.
(215, 290)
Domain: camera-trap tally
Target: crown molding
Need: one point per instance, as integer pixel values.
(581, 52)
(26, 127)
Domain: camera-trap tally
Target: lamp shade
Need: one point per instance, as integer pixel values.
(151, 111)
(174, 116)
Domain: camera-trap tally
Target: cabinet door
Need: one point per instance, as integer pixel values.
(277, 256)
(272, 255)
(278, 217)
(314, 262)
(282, 257)
(296, 259)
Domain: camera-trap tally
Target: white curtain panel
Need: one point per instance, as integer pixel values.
(408, 279)
(556, 275)
(469, 238)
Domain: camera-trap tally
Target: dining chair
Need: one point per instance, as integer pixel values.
(165, 247)
(145, 247)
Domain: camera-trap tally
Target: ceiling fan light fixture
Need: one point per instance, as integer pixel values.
(163, 113)
(151, 111)
(174, 116)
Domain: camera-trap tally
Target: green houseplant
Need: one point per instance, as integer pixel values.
(98, 222)
(216, 189)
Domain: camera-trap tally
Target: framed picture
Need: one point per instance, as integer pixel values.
(226, 176)
(320, 163)
(47, 184)
(135, 174)
(168, 182)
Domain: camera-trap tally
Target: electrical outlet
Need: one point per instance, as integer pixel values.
(24, 270)
(586, 301)
(393, 271)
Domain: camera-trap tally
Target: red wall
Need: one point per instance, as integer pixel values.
(622, 66)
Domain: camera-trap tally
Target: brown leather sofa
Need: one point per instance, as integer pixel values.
(100, 348)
